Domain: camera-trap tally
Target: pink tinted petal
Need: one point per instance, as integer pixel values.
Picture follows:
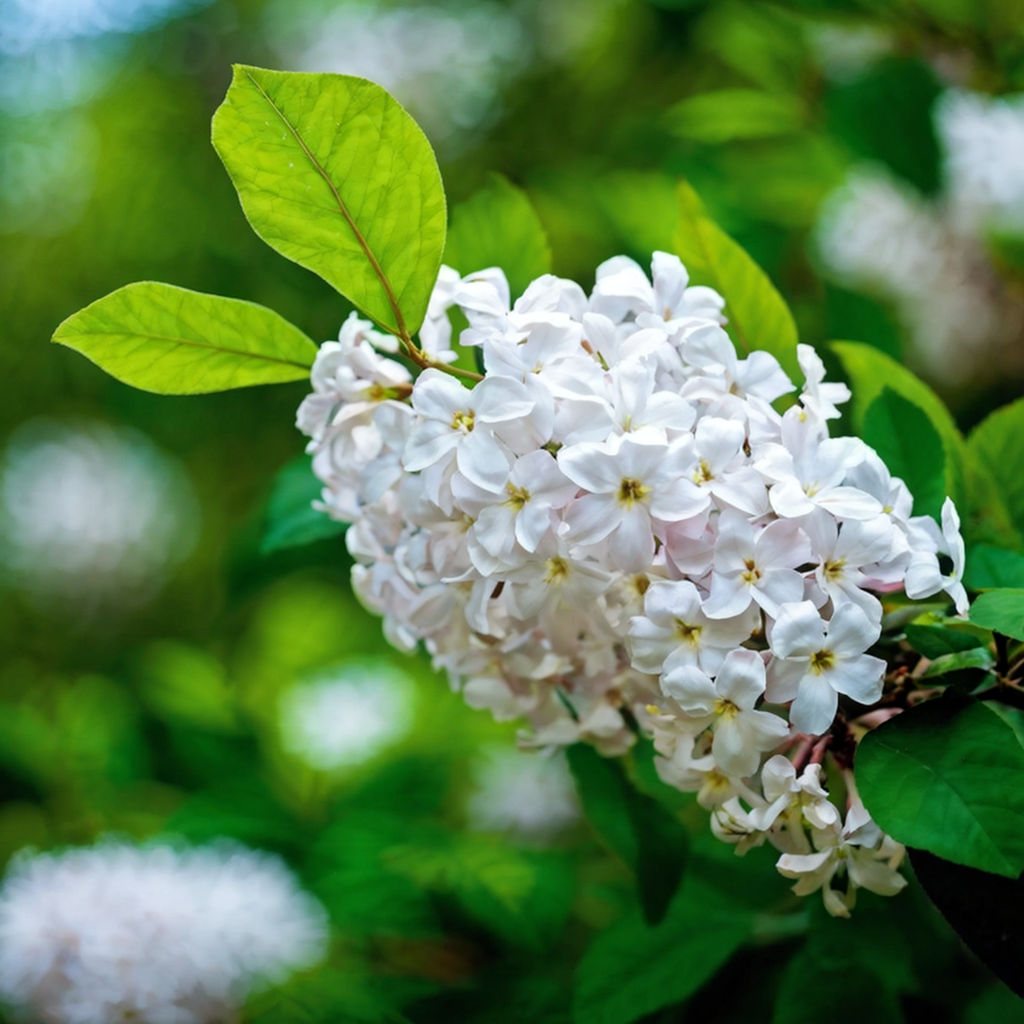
(632, 544)
(782, 544)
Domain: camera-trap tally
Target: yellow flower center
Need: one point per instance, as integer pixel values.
(463, 421)
(822, 661)
(631, 491)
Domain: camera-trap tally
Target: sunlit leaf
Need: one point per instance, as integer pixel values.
(174, 341)
(957, 661)
(335, 175)
(758, 316)
(910, 446)
(938, 777)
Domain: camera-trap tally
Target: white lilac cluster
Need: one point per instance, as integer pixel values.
(615, 529)
(930, 257)
(118, 932)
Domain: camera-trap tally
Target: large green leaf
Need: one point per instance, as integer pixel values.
(1001, 611)
(910, 446)
(173, 341)
(996, 445)
(944, 776)
(498, 227)
(635, 826)
(870, 371)
(758, 316)
(630, 970)
(335, 175)
(989, 567)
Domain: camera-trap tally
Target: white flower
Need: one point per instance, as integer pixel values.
(674, 630)
(631, 480)
(815, 661)
(741, 734)
(817, 397)
(155, 933)
(924, 578)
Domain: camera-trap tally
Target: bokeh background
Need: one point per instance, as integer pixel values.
(165, 668)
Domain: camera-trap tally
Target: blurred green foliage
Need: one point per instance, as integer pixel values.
(161, 713)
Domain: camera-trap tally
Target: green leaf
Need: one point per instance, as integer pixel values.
(870, 371)
(174, 341)
(498, 227)
(988, 567)
(985, 910)
(1002, 611)
(335, 175)
(996, 444)
(632, 825)
(978, 657)
(758, 316)
(933, 641)
(291, 521)
(630, 970)
(943, 776)
(910, 446)
(730, 114)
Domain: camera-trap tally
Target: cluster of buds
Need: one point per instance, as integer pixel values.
(615, 531)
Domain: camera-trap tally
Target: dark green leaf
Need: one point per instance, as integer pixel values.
(174, 341)
(633, 825)
(1002, 611)
(758, 316)
(941, 776)
(498, 227)
(291, 521)
(335, 175)
(985, 910)
(910, 446)
(631, 969)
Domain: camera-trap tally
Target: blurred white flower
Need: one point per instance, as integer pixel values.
(446, 64)
(345, 716)
(525, 793)
(983, 145)
(878, 235)
(91, 515)
(175, 936)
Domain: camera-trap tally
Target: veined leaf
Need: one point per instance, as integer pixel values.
(498, 227)
(941, 776)
(174, 341)
(910, 446)
(335, 175)
(758, 316)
